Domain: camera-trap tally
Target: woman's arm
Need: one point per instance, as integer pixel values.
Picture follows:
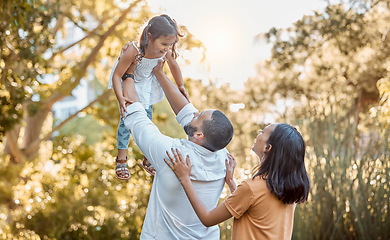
(182, 170)
(176, 74)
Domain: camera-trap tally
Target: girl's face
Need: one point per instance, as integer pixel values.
(161, 45)
(260, 145)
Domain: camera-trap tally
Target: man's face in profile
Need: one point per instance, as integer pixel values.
(197, 122)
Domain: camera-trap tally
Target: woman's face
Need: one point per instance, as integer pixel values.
(259, 147)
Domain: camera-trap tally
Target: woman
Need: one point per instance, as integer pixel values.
(262, 207)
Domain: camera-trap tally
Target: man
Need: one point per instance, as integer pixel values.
(169, 214)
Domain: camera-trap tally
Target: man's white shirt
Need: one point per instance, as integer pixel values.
(169, 214)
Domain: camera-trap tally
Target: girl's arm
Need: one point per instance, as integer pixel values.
(123, 64)
(176, 74)
(182, 170)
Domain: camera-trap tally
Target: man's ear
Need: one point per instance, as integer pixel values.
(199, 135)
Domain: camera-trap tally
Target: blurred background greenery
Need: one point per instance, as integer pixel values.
(328, 75)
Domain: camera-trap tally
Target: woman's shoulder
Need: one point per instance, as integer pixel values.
(256, 184)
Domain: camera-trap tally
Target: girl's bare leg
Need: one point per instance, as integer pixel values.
(122, 153)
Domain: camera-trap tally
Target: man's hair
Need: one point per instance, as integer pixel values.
(218, 131)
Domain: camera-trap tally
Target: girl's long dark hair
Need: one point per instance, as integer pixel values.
(159, 26)
(284, 168)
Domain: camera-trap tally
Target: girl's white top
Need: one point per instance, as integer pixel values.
(146, 84)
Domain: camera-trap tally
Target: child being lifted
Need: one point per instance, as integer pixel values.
(157, 42)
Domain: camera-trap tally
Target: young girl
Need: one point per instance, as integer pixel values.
(263, 207)
(157, 42)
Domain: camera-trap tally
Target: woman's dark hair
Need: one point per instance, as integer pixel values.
(283, 167)
(159, 26)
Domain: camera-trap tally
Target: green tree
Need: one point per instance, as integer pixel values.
(326, 75)
(50, 49)
(41, 60)
(343, 50)
(47, 48)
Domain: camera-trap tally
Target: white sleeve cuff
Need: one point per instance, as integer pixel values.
(186, 114)
(134, 107)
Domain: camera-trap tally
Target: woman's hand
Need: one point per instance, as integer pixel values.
(230, 166)
(181, 168)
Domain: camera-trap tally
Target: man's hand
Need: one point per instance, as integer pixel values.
(123, 102)
(158, 69)
(124, 49)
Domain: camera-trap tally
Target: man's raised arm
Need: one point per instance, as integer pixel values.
(175, 98)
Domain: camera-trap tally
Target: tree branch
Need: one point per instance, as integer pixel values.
(13, 146)
(89, 34)
(95, 51)
(35, 144)
(59, 23)
(76, 24)
(104, 95)
(80, 72)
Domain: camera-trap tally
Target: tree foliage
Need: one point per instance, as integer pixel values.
(64, 187)
(343, 50)
(25, 35)
(328, 75)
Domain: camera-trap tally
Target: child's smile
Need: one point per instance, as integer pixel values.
(160, 46)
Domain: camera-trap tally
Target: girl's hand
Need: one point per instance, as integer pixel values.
(230, 166)
(184, 92)
(181, 168)
(123, 102)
